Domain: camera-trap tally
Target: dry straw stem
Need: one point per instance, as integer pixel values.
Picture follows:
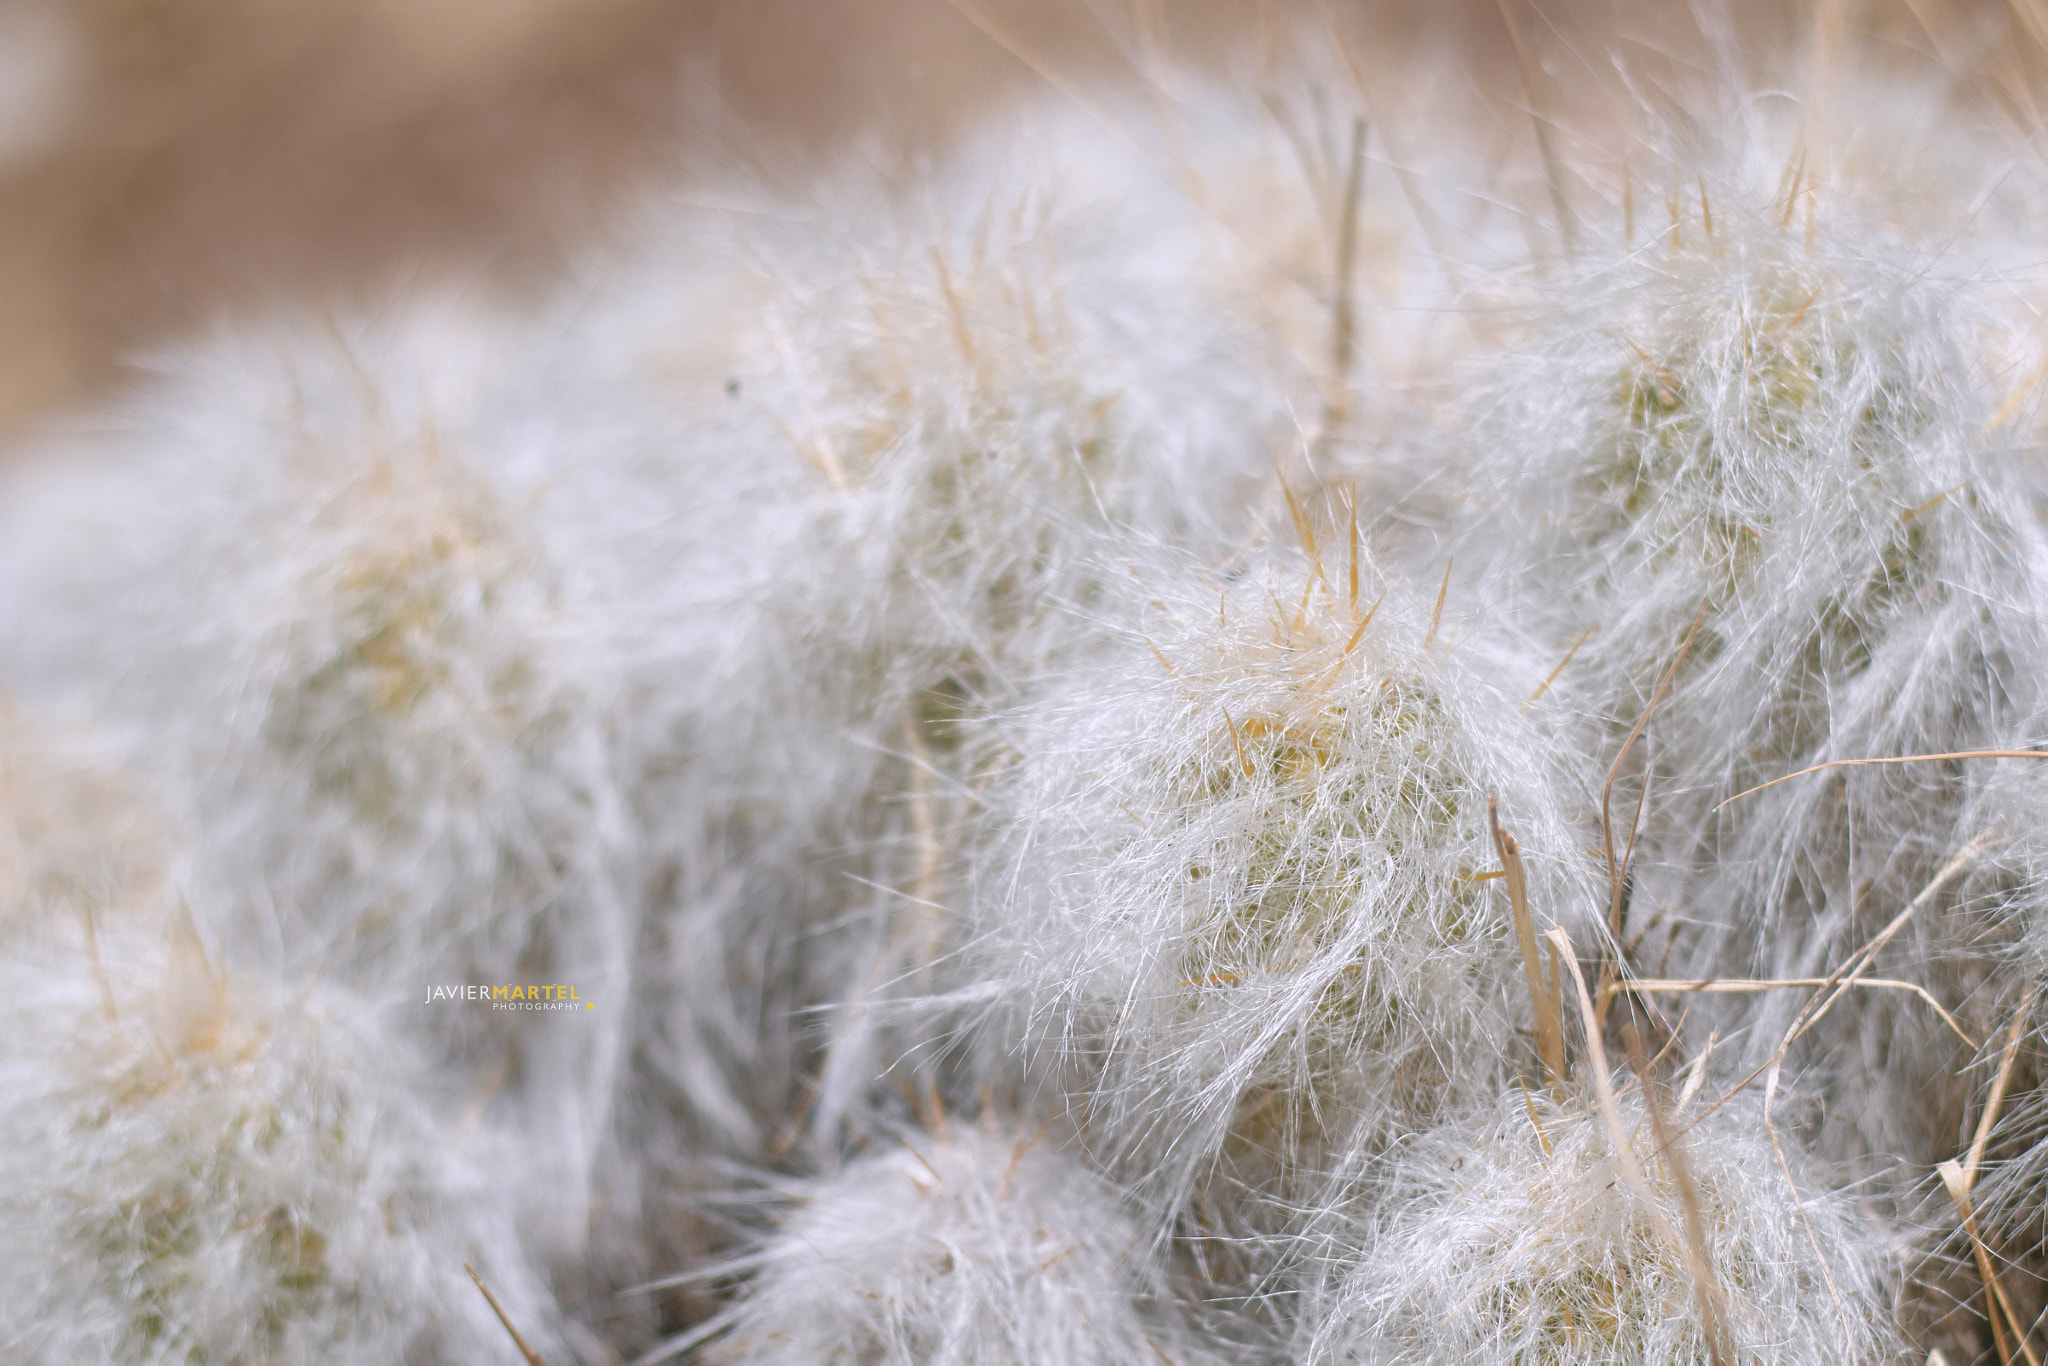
(1549, 1021)
(1551, 678)
(1792, 1188)
(1617, 874)
(1998, 1309)
(1747, 985)
(1436, 615)
(1674, 1159)
(1832, 988)
(1837, 983)
(1901, 759)
(1842, 979)
(532, 1357)
(1961, 1179)
(1712, 1297)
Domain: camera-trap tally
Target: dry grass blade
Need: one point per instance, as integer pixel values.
(1997, 1310)
(1681, 1177)
(1792, 1188)
(1842, 979)
(1696, 1071)
(1358, 632)
(1237, 743)
(1535, 1120)
(1305, 531)
(1932, 503)
(1850, 974)
(532, 1357)
(1711, 1294)
(1302, 529)
(1436, 617)
(1353, 509)
(1961, 1180)
(1617, 873)
(1746, 985)
(1544, 686)
(1998, 1085)
(1557, 994)
(1549, 1023)
(1902, 759)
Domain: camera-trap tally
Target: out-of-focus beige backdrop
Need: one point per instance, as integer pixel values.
(166, 161)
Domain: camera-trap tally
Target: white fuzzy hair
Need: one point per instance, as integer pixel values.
(975, 1246)
(877, 510)
(910, 635)
(1512, 1236)
(80, 840)
(1798, 436)
(1244, 904)
(209, 1165)
(322, 627)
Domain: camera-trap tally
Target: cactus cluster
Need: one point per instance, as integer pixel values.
(1054, 766)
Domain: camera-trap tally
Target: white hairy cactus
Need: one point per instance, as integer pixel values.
(1248, 894)
(1515, 1236)
(977, 1245)
(345, 652)
(1790, 433)
(81, 842)
(214, 1166)
(347, 665)
(908, 477)
(1057, 631)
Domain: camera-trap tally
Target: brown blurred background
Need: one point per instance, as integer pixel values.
(162, 161)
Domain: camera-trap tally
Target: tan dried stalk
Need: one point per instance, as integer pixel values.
(532, 1357)
(1901, 759)
(1746, 985)
(1960, 1180)
(1681, 1178)
(1549, 1019)
(1712, 1297)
